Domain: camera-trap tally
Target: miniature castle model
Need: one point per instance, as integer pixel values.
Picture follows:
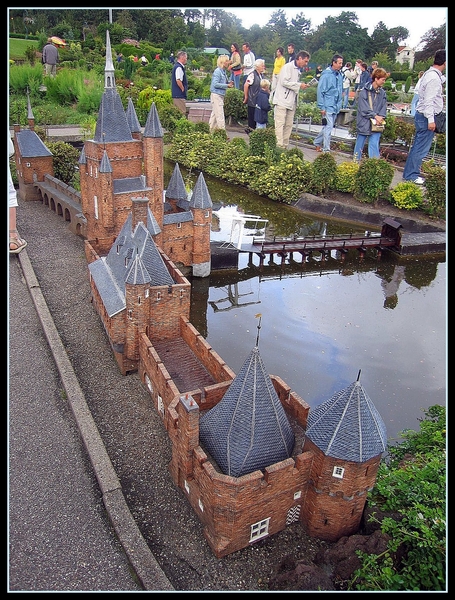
(247, 451)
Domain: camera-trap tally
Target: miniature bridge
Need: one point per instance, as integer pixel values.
(390, 237)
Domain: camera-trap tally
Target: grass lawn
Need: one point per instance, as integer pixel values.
(18, 47)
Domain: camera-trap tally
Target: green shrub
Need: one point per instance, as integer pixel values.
(435, 186)
(407, 195)
(373, 179)
(284, 180)
(324, 169)
(233, 105)
(260, 139)
(64, 161)
(412, 483)
(345, 177)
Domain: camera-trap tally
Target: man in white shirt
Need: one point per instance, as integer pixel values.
(248, 61)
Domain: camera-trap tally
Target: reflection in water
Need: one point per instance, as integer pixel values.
(326, 317)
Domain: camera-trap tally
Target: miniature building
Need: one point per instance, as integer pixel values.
(247, 451)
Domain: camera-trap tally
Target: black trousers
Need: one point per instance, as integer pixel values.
(251, 121)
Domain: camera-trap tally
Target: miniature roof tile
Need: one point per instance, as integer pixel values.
(248, 429)
(348, 426)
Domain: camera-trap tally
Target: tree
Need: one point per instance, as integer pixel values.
(434, 39)
(343, 34)
(381, 41)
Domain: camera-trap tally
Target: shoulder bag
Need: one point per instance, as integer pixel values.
(375, 127)
(440, 122)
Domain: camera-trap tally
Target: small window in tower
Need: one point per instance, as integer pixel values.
(138, 299)
(27, 164)
(201, 506)
(259, 530)
(338, 472)
(147, 292)
(187, 487)
(158, 295)
(130, 315)
(207, 215)
(182, 293)
(179, 226)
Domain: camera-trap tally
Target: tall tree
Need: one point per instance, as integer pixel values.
(434, 39)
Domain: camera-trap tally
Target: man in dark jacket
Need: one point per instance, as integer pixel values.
(251, 89)
(179, 82)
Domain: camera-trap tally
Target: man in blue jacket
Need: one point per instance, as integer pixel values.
(329, 98)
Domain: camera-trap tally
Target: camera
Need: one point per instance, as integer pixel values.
(324, 121)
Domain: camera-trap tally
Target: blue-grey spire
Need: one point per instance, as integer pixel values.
(248, 429)
(153, 127)
(201, 196)
(348, 426)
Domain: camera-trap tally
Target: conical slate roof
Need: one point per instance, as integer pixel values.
(176, 189)
(248, 429)
(348, 426)
(201, 195)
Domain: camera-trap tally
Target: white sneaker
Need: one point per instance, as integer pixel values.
(419, 180)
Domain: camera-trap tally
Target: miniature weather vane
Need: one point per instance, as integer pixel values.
(258, 316)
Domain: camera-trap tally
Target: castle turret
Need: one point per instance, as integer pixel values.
(347, 437)
(201, 207)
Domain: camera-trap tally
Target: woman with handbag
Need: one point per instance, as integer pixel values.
(235, 66)
(371, 114)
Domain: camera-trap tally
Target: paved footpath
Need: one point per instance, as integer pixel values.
(69, 526)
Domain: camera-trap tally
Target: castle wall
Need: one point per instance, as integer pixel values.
(231, 508)
(177, 242)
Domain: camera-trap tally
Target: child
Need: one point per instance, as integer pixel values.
(261, 111)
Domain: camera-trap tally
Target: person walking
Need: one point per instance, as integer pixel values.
(286, 95)
(248, 61)
(50, 58)
(372, 104)
(348, 77)
(179, 82)
(263, 106)
(218, 87)
(144, 60)
(251, 89)
(430, 103)
(16, 243)
(329, 98)
(278, 64)
(235, 65)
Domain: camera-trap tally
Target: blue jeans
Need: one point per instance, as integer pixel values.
(236, 80)
(323, 137)
(419, 149)
(373, 145)
(345, 96)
